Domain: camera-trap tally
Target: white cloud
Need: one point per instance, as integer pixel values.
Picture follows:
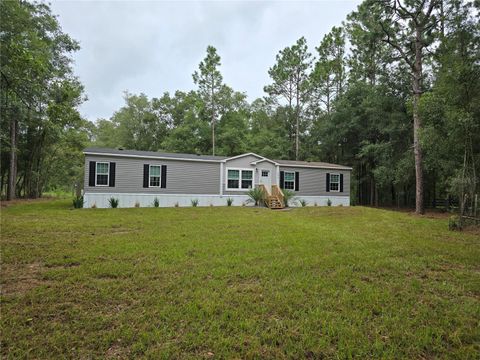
(153, 47)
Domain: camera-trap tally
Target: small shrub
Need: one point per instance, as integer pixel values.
(113, 202)
(211, 205)
(244, 203)
(329, 202)
(194, 202)
(454, 223)
(288, 197)
(315, 204)
(137, 204)
(229, 202)
(256, 195)
(303, 202)
(78, 202)
(176, 204)
(94, 206)
(341, 205)
(156, 202)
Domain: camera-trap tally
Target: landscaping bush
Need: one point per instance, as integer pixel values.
(78, 202)
(288, 197)
(303, 202)
(256, 195)
(229, 202)
(329, 202)
(454, 223)
(156, 202)
(137, 204)
(113, 203)
(195, 202)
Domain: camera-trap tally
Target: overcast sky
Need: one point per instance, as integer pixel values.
(153, 46)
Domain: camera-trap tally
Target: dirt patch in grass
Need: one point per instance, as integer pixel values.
(5, 203)
(21, 278)
(472, 229)
(116, 351)
(429, 213)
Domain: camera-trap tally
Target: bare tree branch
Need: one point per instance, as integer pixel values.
(389, 41)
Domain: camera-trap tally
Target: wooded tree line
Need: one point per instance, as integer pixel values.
(42, 133)
(393, 91)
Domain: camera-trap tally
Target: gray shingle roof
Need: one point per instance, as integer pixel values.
(206, 157)
(153, 154)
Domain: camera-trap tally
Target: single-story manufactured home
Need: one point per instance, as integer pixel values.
(138, 177)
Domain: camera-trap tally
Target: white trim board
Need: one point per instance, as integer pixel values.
(264, 160)
(243, 155)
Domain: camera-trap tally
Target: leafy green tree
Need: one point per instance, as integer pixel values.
(408, 27)
(40, 94)
(191, 133)
(139, 125)
(451, 113)
(369, 53)
(270, 133)
(290, 76)
(329, 74)
(209, 82)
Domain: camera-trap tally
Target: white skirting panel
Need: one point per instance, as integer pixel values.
(321, 200)
(166, 200)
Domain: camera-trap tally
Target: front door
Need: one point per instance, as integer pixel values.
(266, 179)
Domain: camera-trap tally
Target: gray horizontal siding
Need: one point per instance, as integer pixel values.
(183, 177)
(313, 182)
(240, 163)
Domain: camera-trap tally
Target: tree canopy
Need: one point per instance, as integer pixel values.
(393, 91)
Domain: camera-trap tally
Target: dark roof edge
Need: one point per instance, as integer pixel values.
(313, 166)
(150, 155)
(202, 158)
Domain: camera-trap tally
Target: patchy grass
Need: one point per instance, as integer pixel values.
(236, 283)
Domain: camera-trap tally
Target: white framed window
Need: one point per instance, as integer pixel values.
(233, 179)
(335, 182)
(239, 179)
(289, 180)
(154, 176)
(247, 179)
(265, 173)
(102, 174)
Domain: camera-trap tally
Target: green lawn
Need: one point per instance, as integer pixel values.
(236, 283)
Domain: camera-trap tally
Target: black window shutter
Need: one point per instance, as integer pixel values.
(91, 173)
(341, 182)
(111, 181)
(297, 180)
(328, 182)
(282, 177)
(163, 183)
(146, 173)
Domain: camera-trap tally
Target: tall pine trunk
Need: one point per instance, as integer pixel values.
(12, 173)
(297, 125)
(417, 123)
(213, 119)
